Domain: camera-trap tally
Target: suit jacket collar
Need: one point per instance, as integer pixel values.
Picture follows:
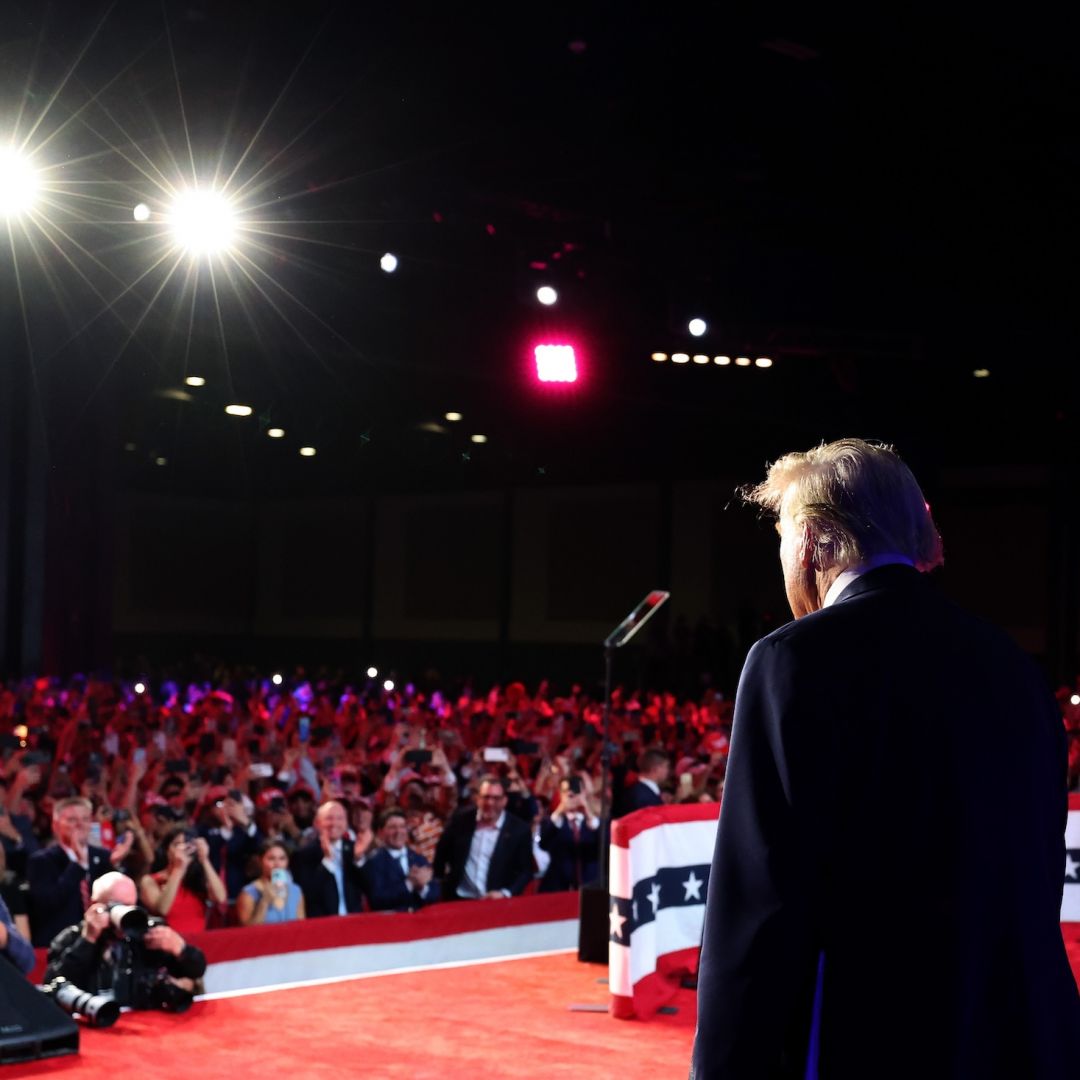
(892, 576)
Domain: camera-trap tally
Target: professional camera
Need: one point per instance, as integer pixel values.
(98, 1010)
(133, 983)
(128, 920)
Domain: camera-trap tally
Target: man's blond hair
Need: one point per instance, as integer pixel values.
(859, 499)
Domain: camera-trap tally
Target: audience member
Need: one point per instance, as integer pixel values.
(396, 878)
(14, 946)
(571, 837)
(485, 852)
(60, 875)
(328, 869)
(183, 885)
(232, 837)
(653, 772)
(273, 897)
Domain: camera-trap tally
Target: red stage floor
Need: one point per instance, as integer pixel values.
(507, 1019)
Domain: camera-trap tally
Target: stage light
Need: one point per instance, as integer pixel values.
(556, 363)
(372, 672)
(680, 358)
(19, 183)
(742, 361)
(659, 357)
(478, 438)
(239, 410)
(141, 212)
(981, 373)
(307, 451)
(161, 461)
(20, 731)
(697, 327)
(723, 361)
(275, 433)
(195, 380)
(388, 263)
(763, 361)
(1074, 699)
(202, 222)
(388, 686)
(546, 295)
(454, 417)
(139, 688)
(276, 679)
(700, 358)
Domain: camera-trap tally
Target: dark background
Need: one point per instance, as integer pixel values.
(880, 206)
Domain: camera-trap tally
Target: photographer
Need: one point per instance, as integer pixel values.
(147, 969)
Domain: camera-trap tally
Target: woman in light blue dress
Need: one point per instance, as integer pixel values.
(273, 897)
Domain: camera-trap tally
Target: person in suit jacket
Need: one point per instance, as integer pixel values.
(654, 768)
(328, 870)
(387, 884)
(885, 891)
(59, 876)
(570, 836)
(484, 853)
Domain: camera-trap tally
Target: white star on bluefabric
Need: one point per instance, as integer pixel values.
(692, 885)
(654, 897)
(617, 921)
(1072, 867)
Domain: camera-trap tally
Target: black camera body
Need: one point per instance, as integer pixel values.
(135, 982)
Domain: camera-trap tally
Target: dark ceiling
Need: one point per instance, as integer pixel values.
(881, 208)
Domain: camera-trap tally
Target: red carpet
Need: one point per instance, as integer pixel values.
(508, 1019)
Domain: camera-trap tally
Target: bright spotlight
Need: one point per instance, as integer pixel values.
(700, 358)
(195, 380)
(202, 222)
(763, 361)
(276, 679)
(1074, 699)
(139, 688)
(659, 357)
(742, 361)
(372, 672)
(161, 461)
(454, 417)
(478, 438)
(680, 358)
(546, 295)
(388, 263)
(697, 327)
(723, 361)
(19, 183)
(275, 433)
(141, 212)
(239, 410)
(556, 363)
(981, 373)
(388, 685)
(307, 451)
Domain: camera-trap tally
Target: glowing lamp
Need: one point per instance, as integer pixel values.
(202, 222)
(556, 363)
(19, 184)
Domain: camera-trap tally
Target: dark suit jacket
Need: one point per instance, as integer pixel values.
(511, 861)
(573, 863)
(55, 895)
(384, 883)
(319, 885)
(639, 796)
(895, 801)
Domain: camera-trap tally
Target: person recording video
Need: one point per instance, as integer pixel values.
(121, 949)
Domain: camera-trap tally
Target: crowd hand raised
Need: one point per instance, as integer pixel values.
(364, 839)
(120, 852)
(164, 939)
(420, 875)
(202, 849)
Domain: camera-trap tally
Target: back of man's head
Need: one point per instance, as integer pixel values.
(114, 888)
(653, 761)
(859, 500)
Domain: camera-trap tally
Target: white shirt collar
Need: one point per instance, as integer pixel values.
(853, 573)
(652, 785)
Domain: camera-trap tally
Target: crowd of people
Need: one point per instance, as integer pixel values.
(252, 800)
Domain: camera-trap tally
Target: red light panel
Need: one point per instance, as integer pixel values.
(556, 363)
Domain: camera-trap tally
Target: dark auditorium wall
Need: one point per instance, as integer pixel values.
(505, 581)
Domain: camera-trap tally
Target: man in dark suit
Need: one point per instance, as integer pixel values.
(570, 836)
(884, 896)
(484, 853)
(654, 768)
(396, 878)
(59, 876)
(328, 870)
